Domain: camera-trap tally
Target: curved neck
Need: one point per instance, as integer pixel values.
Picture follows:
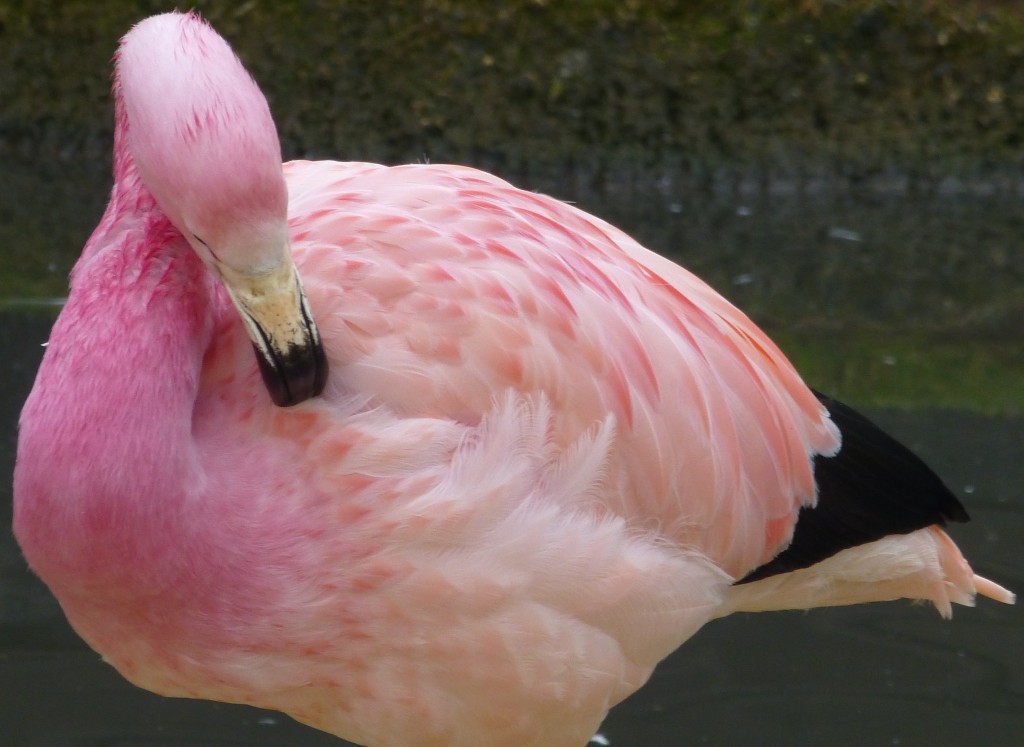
(110, 413)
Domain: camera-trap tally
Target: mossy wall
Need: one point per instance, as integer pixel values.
(807, 89)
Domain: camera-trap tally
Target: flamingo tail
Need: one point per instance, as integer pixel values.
(873, 534)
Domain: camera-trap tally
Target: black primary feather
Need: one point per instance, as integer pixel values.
(875, 486)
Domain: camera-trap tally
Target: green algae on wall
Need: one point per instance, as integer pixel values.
(840, 90)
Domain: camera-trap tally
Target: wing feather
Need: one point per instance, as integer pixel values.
(455, 287)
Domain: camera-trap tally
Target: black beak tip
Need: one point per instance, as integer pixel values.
(295, 376)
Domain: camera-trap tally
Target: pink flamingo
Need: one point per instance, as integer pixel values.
(544, 456)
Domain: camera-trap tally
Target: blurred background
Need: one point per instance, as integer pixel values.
(849, 173)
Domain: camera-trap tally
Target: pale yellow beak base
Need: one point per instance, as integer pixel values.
(288, 348)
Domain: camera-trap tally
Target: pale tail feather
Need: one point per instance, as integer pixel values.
(924, 565)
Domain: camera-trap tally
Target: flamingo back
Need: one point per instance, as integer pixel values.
(447, 285)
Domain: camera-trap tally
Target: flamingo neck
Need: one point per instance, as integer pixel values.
(112, 405)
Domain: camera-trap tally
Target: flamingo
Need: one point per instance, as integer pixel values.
(491, 462)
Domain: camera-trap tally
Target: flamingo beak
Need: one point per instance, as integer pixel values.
(276, 313)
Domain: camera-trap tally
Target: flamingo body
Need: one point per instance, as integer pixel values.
(542, 459)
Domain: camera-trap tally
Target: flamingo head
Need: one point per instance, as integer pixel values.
(202, 139)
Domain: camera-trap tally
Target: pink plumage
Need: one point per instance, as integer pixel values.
(543, 457)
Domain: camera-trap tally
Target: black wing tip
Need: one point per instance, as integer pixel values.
(873, 487)
(913, 487)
